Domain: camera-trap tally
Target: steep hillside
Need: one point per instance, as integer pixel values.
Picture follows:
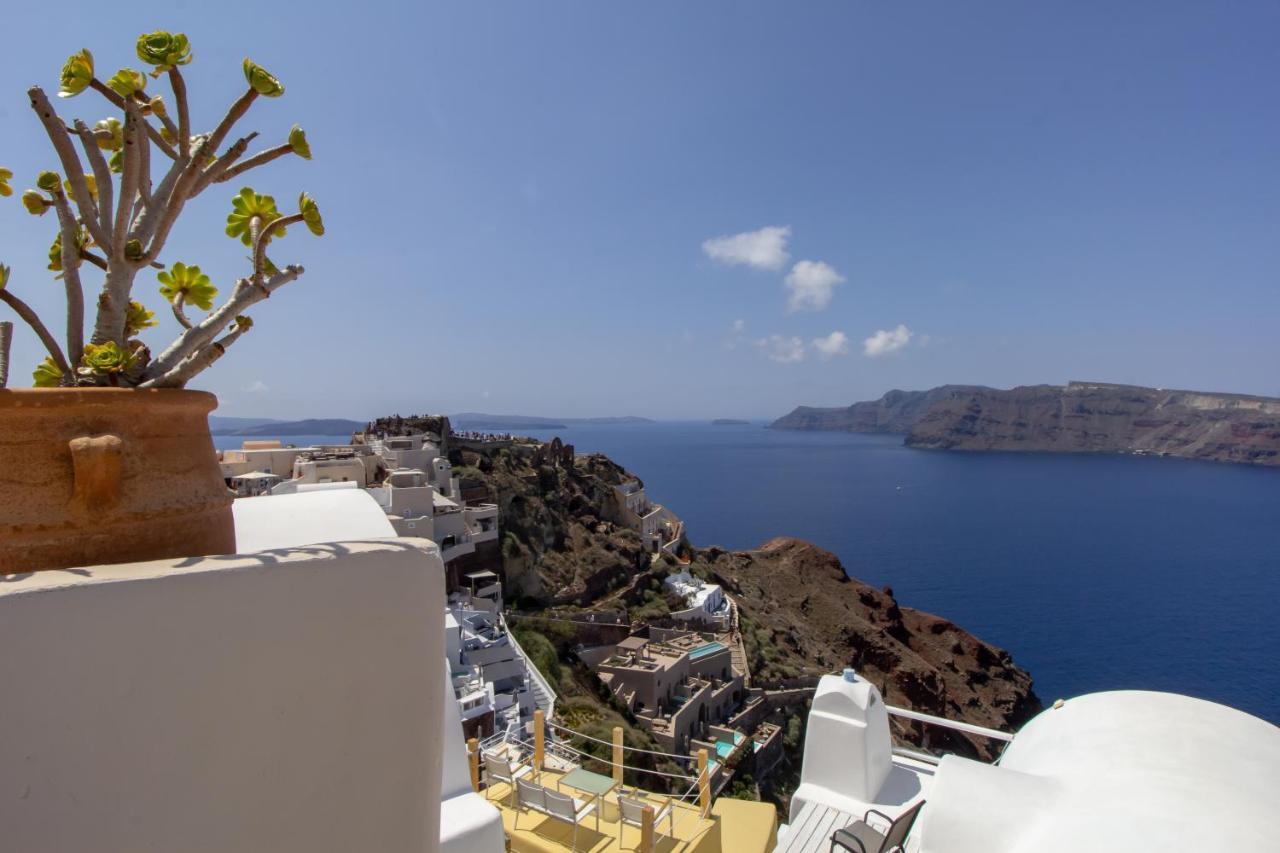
(802, 615)
(1088, 417)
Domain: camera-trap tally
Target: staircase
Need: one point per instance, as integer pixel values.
(737, 651)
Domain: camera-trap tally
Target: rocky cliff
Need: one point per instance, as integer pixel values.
(1090, 417)
(895, 412)
(802, 615)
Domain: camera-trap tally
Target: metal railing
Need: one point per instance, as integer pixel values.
(942, 722)
(967, 728)
(531, 671)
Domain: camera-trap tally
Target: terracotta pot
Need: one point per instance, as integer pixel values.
(108, 475)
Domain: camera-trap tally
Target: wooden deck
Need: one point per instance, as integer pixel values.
(531, 831)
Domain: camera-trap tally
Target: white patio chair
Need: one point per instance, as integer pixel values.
(631, 812)
(568, 809)
(500, 770)
(532, 795)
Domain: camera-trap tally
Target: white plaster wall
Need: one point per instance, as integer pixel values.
(290, 700)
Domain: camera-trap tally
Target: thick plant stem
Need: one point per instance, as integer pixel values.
(101, 174)
(6, 338)
(112, 308)
(71, 274)
(61, 140)
(37, 325)
(246, 293)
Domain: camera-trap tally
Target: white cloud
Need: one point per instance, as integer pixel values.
(736, 333)
(834, 344)
(257, 386)
(886, 341)
(782, 349)
(811, 283)
(765, 249)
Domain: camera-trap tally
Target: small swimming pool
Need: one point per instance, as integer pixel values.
(723, 749)
(707, 649)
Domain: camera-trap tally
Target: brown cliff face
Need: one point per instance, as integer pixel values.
(1082, 417)
(1102, 418)
(808, 618)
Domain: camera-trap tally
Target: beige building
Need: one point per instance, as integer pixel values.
(660, 528)
(675, 683)
(270, 457)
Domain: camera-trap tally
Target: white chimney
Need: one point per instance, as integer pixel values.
(847, 749)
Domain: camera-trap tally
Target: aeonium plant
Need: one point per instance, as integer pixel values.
(113, 214)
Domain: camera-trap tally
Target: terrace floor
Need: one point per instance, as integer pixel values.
(735, 826)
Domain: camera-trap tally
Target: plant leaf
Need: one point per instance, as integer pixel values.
(76, 75)
(261, 80)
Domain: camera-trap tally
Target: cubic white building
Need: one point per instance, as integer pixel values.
(704, 602)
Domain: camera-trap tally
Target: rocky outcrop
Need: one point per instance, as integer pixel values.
(1089, 417)
(895, 412)
(802, 615)
(561, 540)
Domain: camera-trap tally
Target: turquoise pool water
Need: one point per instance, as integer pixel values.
(703, 651)
(723, 749)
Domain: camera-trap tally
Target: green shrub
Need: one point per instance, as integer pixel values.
(541, 652)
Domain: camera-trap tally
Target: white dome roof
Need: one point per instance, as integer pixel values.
(1125, 770)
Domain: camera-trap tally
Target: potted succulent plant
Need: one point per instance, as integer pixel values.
(107, 458)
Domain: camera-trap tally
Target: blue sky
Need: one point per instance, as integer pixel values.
(520, 198)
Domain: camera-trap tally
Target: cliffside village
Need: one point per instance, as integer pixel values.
(685, 677)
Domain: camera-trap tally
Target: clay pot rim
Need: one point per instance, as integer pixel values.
(23, 398)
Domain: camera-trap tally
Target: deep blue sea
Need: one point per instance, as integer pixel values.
(1095, 572)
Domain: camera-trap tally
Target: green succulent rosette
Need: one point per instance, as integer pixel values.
(47, 374)
(48, 181)
(116, 163)
(106, 359)
(77, 74)
(298, 142)
(35, 203)
(244, 323)
(262, 81)
(187, 281)
(5, 177)
(311, 214)
(126, 81)
(246, 206)
(138, 318)
(4, 276)
(109, 134)
(164, 50)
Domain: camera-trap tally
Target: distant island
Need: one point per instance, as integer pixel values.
(1091, 417)
(729, 422)
(266, 427)
(510, 423)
